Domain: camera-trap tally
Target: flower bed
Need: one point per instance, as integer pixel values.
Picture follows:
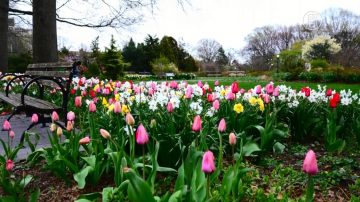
(196, 136)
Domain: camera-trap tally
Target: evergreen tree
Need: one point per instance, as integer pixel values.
(221, 58)
(113, 62)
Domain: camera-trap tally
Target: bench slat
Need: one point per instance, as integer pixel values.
(15, 100)
(49, 73)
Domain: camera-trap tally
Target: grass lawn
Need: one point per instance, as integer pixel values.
(248, 82)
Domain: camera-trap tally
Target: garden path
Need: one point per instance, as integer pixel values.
(19, 123)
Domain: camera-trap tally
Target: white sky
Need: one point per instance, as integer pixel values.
(226, 21)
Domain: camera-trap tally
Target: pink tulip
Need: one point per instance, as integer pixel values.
(6, 125)
(9, 165)
(83, 93)
(200, 84)
(105, 134)
(235, 87)
(197, 124)
(117, 107)
(267, 98)
(70, 116)
(232, 139)
(210, 97)
(276, 91)
(188, 92)
(92, 107)
(129, 119)
(34, 118)
(173, 85)
(216, 83)
(258, 89)
(269, 88)
(310, 163)
(11, 134)
(208, 163)
(85, 140)
(55, 116)
(69, 126)
(151, 91)
(170, 107)
(222, 125)
(216, 104)
(230, 96)
(142, 136)
(242, 91)
(78, 102)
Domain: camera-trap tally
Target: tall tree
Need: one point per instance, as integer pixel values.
(221, 58)
(207, 50)
(4, 10)
(44, 40)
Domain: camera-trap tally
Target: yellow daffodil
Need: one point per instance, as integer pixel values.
(223, 92)
(125, 109)
(117, 96)
(104, 102)
(238, 108)
(111, 108)
(129, 90)
(253, 101)
(132, 98)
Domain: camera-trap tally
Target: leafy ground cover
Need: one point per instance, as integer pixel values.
(187, 141)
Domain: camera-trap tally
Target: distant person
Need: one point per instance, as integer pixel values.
(76, 69)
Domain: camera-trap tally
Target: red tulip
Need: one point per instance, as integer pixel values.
(197, 124)
(210, 97)
(329, 92)
(235, 87)
(208, 163)
(142, 136)
(306, 91)
(222, 125)
(6, 125)
(310, 163)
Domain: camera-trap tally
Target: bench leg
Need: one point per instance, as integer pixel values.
(16, 111)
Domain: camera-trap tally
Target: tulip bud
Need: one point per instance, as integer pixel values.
(85, 140)
(222, 125)
(208, 163)
(55, 116)
(92, 107)
(142, 136)
(34, 118)
(11, 134)
(9, 165)
(232, 139)
(69, 126)
(70, 116)
(105, 134)
(59, 131)
(152, 123)
(129, 119)
(6, 125)
(78, 102)
(117, 107)
(53, 127)
(216, 104)
(169, 107)
(197, 124)
(310, 163)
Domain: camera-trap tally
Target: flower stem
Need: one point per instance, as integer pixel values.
(310, 190)
(143, 161)
(208, 186)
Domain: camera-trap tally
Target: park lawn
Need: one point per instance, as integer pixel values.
(250, 82)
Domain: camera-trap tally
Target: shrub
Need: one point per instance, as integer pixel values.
(309, 76)
(329, 77)
(285, 76)
(319, 63)
(19, 62)
(185, 76)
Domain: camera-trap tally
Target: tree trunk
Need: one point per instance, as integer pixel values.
(4, 11)
(44, 31)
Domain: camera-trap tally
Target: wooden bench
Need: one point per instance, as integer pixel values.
(213, 73)
(40, 76)
(236, 73)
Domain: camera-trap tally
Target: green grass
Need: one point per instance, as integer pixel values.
(248, 82)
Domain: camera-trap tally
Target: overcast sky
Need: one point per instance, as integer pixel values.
(226, 21)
